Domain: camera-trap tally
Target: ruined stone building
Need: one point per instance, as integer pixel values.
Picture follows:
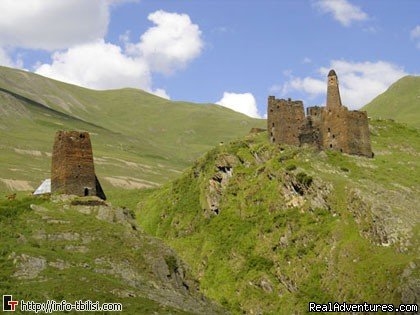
(330, 127)
(72, 169)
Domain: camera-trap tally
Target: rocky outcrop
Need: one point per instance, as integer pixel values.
(92, 238)
(217, 183)
(410, 285)
(378, 218)
(303, 191)
(27, 267)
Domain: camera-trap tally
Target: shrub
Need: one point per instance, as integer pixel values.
(172, 263)
(304, 179)
(12, 209)
(259, 263)
(290, 167)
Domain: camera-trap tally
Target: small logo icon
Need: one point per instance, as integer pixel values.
(8, 304)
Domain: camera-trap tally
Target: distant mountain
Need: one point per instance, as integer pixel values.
(139, 139)
(400, 102)
(268, 229)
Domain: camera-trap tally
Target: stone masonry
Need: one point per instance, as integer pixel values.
(331, 127)
(72, 169)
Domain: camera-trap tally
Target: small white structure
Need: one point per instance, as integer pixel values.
(45, 188)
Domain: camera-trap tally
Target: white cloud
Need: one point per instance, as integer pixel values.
(167, 47)
(170, 44)
(241, 102)
(97, 65)
(52, 24)
(312, 87)
(360, 82)
(342, 11)
(6, 61)
(161, 93)
(415, 32)
(306, 60)
(415, 35)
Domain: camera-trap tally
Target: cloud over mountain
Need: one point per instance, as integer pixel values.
(244, 103)
(74, 32)
(166, 47)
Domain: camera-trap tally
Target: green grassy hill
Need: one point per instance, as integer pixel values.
(139, 139)
(400, 102)
(71, 249)
(267, 229)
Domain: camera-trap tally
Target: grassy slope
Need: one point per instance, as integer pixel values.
(261, 254)
(400, 102)
(137, 136)
(116, 264)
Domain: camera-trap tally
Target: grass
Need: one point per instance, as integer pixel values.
(400, 102)
(312, 252)
(136, 136)
(79, 277)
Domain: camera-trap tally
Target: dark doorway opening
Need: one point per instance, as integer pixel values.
(86, 191)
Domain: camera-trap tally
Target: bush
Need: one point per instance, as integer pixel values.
(304, 179)
(14, 208)
(172, 263)
(290, 167)
(259, 263)
(344, 169)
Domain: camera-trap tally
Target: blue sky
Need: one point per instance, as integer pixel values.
(235, 53)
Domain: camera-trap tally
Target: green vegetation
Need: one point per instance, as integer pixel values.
(50, 250)
(139, 140)
(291, 167)
(400, 102)
(172, 263)
(272, 248)
(265, 229)
(304, 179)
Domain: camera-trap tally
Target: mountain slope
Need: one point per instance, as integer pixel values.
(139, 139)
(400, 102)
(82, 249)
(269, 229)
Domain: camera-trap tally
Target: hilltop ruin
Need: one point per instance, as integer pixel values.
(331, 127)
(72, 169)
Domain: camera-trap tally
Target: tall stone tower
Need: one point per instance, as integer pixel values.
(72, 169)
(333, 92)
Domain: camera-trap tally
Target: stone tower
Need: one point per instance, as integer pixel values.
(72, 168)
(333, 92)
(332, 127)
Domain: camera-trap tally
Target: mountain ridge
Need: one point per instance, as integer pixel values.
(139, 146)
(401, 101)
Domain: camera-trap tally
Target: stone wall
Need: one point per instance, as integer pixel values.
(358, 135)
(334, 129)
(285, 118)
(72, 168)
